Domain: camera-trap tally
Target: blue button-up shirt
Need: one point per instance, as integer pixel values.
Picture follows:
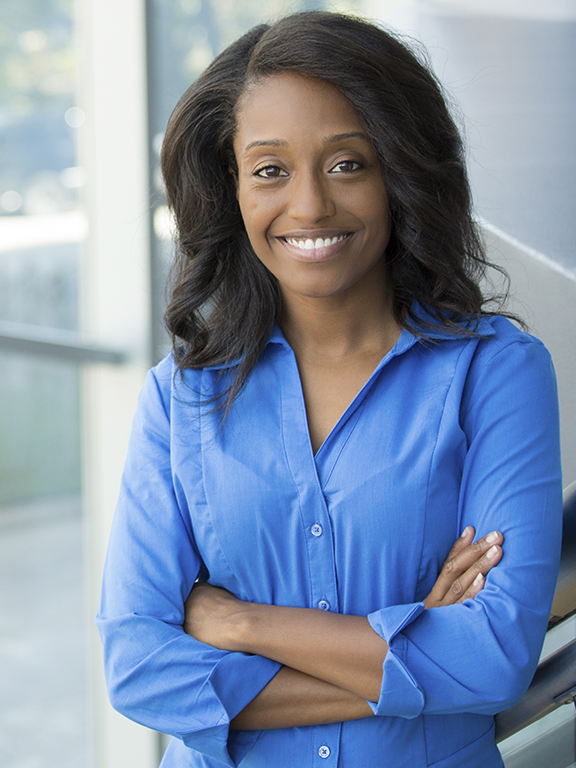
(447, 432)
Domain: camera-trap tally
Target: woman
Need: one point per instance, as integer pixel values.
(339, 407)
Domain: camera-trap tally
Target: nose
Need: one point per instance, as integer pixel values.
(310, 199)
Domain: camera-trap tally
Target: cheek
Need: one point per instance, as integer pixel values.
(257, 216)
(255, 228)
(379, 213)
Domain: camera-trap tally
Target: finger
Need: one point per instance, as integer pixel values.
(464, 540)
(460, 571)
(453, 566)
(474, 588)
(473, 581)
(473, 553)
(445, 578)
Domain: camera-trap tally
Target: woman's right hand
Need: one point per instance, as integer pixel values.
(464, 570)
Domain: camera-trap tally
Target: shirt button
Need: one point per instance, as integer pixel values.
(316, 530)
(325, 606)
(324, 751)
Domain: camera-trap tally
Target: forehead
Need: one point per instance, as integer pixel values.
(289, 106)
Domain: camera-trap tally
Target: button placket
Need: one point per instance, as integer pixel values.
(313, 509)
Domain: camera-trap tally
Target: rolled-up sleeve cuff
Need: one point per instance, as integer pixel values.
(400, 694)
(235, 681)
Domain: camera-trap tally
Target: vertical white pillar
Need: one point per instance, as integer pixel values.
(115, 305)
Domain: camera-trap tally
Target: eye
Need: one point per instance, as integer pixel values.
(346, 166)
(270, 172)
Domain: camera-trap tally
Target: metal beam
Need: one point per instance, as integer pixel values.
(58, 344)
(553, 685)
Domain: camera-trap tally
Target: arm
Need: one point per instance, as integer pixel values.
(481, 655)
(156, 674)
(294, 699)
(333, 662)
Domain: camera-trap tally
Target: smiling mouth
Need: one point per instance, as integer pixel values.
(314, 244)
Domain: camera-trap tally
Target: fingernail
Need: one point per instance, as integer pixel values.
(491, 538)
(465, 531)
(491, 552)
(478, 580)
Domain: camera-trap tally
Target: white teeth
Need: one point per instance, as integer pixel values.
(308, 244)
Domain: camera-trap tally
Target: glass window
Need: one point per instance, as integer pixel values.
(43, 711)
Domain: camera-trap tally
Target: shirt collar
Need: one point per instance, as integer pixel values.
(418, 328)
(416, 331)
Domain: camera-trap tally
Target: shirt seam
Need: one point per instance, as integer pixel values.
(188, 527)
(526, 341)
(488, 360)
(212, 526)
(433, 453)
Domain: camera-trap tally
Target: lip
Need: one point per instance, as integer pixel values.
(315, 254)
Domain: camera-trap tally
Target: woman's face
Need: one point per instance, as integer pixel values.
(310, 187)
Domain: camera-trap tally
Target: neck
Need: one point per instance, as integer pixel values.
(353, 323)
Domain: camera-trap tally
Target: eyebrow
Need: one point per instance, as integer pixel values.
(342, 136)
(328, 140)
(266, 143)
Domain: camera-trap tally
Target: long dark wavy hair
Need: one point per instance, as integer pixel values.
(224, 302)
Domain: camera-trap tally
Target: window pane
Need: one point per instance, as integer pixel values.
(41, 230)
(43, 718)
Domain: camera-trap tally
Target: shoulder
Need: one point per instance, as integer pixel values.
(165, 380)
(509, 349)
(170, 394)
(498, 348)
(494, 335)
(510, 370)
(503, 333)
(164, 383)
(157, 387)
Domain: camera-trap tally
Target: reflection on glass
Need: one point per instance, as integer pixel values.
(41, 227)
(43, 707)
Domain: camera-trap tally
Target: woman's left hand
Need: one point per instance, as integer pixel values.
(463, 573)
(214, 616)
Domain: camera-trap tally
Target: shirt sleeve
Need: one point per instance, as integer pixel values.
(156, 674)
(480, 656)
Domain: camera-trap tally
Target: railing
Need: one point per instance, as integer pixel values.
(51, 342)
